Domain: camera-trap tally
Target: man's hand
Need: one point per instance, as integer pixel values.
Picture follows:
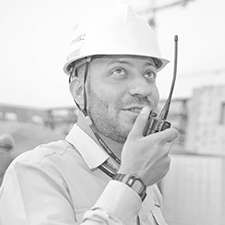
(147, 157)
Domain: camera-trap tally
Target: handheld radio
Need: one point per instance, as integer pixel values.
(155, 124)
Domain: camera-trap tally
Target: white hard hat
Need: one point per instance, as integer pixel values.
(117, 30)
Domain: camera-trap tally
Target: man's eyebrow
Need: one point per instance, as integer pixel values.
(127, 62)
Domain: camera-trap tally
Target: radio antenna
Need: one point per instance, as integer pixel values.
(164, 113)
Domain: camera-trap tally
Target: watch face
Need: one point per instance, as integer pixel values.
(133, 182)
(138, 186)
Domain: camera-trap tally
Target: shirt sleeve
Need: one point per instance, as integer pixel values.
(119, 203)
(32, 195)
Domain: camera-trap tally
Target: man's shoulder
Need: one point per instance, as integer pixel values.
(55, 160)
(46, 152)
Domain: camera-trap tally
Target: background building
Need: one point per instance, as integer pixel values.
(206, 123)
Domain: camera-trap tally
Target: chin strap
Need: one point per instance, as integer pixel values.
(73, 73)
(85, 91)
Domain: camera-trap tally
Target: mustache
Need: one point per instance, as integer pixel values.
(145, 101)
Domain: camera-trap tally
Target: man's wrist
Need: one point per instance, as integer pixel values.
(134, 182)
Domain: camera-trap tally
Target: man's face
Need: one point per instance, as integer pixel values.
(117, 89)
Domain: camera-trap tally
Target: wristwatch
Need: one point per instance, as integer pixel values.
(134, 182)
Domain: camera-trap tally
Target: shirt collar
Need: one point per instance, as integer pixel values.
(85, 142)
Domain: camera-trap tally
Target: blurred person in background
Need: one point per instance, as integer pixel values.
(7, 144)
(105, 171)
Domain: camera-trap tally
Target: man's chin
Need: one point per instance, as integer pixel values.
(129, 123)
(127, 128)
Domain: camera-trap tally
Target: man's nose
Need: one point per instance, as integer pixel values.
(140, 87)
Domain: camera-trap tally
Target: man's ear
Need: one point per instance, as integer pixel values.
(77, 90)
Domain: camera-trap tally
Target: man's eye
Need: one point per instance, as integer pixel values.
(118, 71)
(150, 74)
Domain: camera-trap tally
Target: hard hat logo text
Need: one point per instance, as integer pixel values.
(80, 37)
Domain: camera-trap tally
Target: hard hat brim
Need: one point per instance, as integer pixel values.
(160, 65)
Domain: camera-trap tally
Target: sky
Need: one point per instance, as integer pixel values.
(35, 34)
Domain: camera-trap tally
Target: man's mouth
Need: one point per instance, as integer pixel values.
(135, 110)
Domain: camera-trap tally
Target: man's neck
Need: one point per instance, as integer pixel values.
(115, 147)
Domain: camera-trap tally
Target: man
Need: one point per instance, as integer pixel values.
(106, 171)
(7, 144)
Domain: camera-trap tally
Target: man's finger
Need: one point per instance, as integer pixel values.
(168, 135)
(140, 122)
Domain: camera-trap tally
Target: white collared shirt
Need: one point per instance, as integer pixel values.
(60, 184)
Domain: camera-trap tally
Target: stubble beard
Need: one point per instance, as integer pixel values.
(105, 124)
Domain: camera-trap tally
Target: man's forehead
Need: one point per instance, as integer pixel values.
(125, 59)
